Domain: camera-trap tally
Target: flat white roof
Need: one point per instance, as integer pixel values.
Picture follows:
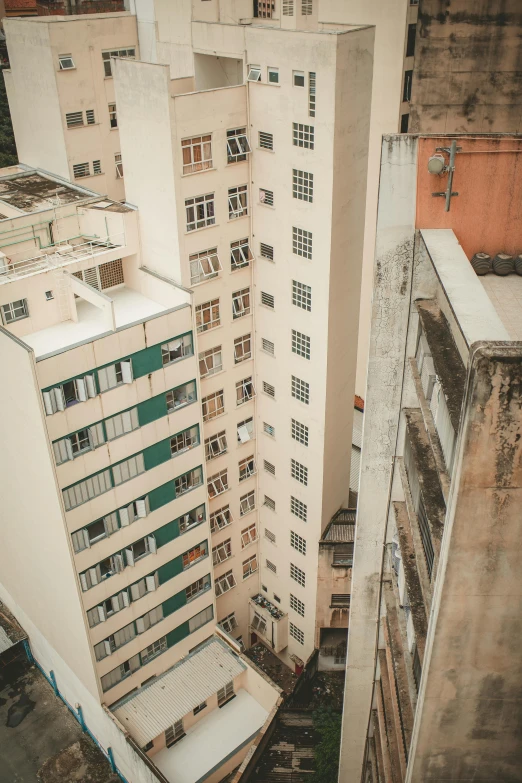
(129, 307)
(505, 294)
(159, 704)
(212, 739)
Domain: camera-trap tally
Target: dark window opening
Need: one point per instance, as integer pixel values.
(405, 121)
(410, 44)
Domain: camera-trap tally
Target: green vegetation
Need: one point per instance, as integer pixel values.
(327, 723)
(8, 156)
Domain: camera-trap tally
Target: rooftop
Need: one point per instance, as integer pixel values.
(30, 191)
(150, 710)
(11, 632)
(273, 667)
(341, 528)
(505, 294)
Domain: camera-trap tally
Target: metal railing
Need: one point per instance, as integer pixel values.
(56, 256)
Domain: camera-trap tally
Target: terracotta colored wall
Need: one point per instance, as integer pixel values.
(487, 213)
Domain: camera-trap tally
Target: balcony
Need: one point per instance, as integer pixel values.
(268, 623)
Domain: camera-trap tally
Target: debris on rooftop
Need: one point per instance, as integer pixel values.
(273, 667)
(31, 191)
(264, 603)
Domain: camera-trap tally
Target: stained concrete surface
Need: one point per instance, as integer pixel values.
(39, 738)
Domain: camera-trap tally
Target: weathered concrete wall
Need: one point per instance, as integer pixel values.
(468, 67)
(470, 703)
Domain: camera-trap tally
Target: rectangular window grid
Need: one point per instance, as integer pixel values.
(247, 503)
(119, 165)
(220, 519)
(242, 349)
(200, 212)
(297, 605)
(106, 57)
(303, 185)
(300, 432)
(113, 117)
(298, 542)
(297, 574)
(245, 430)
(15, 311)
(228, 623)
(237, 202)
(224, 583)
(299, 472)
(240, 254)
(249, 566)
(210, 362)
(303, 135)
(221, 552)
(296, 633)
(237, 145)
(300, 390)
(247, 468)
(300, 344)
(213, 405)
(265, 9)
(244, 391)
(298, 508)
(241, 303)
(204, 265)
(266, 140)
(207, 315)
(302, 242)
(217, 484)
(197, 154)
(215, 445)
(248, 535)
(302, 295)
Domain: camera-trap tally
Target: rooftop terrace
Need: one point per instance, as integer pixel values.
(31, 191)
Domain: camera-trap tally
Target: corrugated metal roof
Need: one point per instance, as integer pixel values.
(341, 533)
(5, 641)
(152, 709)
(357, 430)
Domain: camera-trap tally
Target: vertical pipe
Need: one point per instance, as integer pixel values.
(111, 759)
(54, 683)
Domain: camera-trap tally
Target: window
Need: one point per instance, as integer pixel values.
(207, 315)
(254, 73)
(213, 405)
(87, 489)
(247, 503)
(184, 440)
(259, 624)
(200, 619)
(241, 303)
(200, 212)
(224, 583)
(268, 389)
(270, 536)
(267, 299)
(174, 733)
(217, 484)
(269, 467)
(225, 694)
(248, 535)
(410, 43)
(66, 62)
(15, 311)
(249, 566)
(269, 503)
(300, 432)
(300, 344)
(74, 119)
(215, 445)
(273, 75)
(297, 574)
(266, 140)
(288, 7)
(237, 145)
(81, 170)
(120, 673)
(247, 468)
(228, 623)
(300, 390)
(199, 708)
(405, 121)
(194, 555)
(297, 605)
(180, 396)
(128, 469)
(115, 375)
(197, 587)
(188, 481)
(406, 91)
(97, 531)
(49, 296)
(197, 154)
(301, 295)
(303, 185)
(113, 117)
(299, 472)
(119, 165)
(267, 346)
(177, 349)
(237, 202)
(89, 116)
(220, 519)
(306, 7)
(340, 600)
(210, 362)
(240, 254)
(264, 9)
(296, 633)
(110, 274)
(191, 519)
(204, 265)
(268, 429)
(267, 251)
(106, 57)
(245, 430)
(343, 555)
(311, 94)
(221, 552)
(302, 242)
(70, 393)
(298, 542)
(266, 197)
(244, 391)
(303, 135)
(96, 167)
(298, 508)
(242, 348)
(271, 566)
(298, 78)
(77, 443)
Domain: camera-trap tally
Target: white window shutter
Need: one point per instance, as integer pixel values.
(107, 647)
(103, 380)
(124, 517)
(141, 509)
(129, 555)
(90, 385)
(124, 598)
(135, 591)
(60, 452)
(243, 434)
(153, 547)
(59, 399)
(49, 403)
(140, 625)
(126, 371)
(126, 421)
(96, 435)
(110, 523)
(101, 614)
(93, 573)
(150, 582)
(84, 582)
(115, 603)
(134, 662)
(132, 515)
(68, 448)
(81, 389)
(118, 563)
(109, 429)
(134, 418)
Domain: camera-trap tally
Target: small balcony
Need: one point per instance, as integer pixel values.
(268, 623)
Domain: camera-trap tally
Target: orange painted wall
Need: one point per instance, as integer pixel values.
(487, 214)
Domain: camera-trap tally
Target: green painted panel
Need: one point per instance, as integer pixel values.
(170, 570)
(146, 361)
(167, 533)
(152, 409)
(174, 603)
(179, 633)
(162, 495)
(157, 454)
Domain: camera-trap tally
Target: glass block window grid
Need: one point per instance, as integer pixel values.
(298, 542)
(300, 432)
(303, 135)
(296, 633)
(298, 508)
(302, 295)
(299, 472)
(300, 390)
(303, 185)
(297, 574)
(302, 242)
(297, 605)
(300, 344)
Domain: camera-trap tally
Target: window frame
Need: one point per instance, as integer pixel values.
(238, 146)
(200, 212)
(203, 143)
(238, 202)
(12, 308)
